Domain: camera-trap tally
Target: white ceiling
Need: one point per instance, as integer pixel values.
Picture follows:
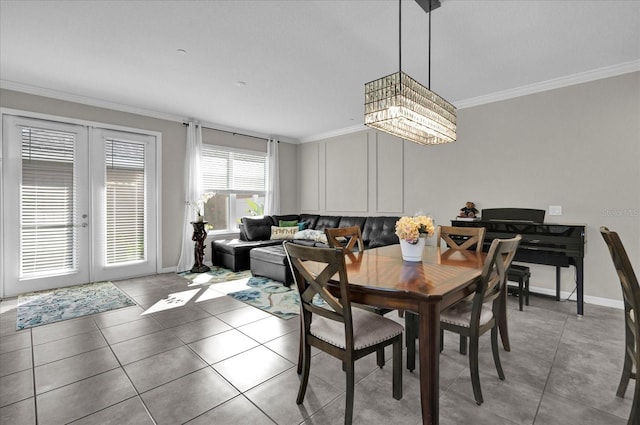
(304, 63)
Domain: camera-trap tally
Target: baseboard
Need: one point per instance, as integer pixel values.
(588, 299)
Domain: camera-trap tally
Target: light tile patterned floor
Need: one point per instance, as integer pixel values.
(213, 359)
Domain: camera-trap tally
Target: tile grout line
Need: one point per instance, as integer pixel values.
(33, 374)
(553, 361)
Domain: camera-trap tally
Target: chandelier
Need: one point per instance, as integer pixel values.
(399, 105)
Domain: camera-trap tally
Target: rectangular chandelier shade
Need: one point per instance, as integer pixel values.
(399, 105)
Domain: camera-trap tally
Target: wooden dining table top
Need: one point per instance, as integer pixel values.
(381, 273)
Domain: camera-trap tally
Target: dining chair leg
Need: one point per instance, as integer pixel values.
(441, 340)
(380, 357)
(306, 360)
(502, 321)
(299, 369)
(473, 366)
(634, 416)
(348, 413)
(397, 369)
(626, 375)
(463, 344)
(496, 352)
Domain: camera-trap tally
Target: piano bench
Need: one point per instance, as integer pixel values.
(520, 274)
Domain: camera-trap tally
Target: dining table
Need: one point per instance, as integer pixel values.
(379, 277)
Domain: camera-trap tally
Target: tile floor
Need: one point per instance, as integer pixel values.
(215, 360)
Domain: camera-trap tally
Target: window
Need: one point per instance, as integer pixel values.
(237, 179)
(47, 202)
(125, 202)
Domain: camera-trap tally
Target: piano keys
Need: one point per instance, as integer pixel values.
(559, 245)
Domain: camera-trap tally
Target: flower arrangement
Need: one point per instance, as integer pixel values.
(411, 229)
(198, 205)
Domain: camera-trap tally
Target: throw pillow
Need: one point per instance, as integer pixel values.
(257, 229)
(311, 235)
(292, 223)
(302, 225)
(283, 232)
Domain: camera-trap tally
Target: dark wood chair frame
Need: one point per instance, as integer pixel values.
(631, 296)
(336, 308)
(473, 236)
(352, 238)
(491, 288)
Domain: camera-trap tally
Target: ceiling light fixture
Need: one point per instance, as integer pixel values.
(399, 105)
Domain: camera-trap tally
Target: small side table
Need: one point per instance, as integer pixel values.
(199, 235)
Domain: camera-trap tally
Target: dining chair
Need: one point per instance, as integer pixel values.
(457, 238)
(461, 237)
(631, 296)
(332, 325)
(480, 311)
(350, 238)
(345, 237)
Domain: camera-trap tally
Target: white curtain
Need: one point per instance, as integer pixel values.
(272, 201)
(192, 192)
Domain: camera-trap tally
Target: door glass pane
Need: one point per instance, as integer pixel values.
(125, 203)
(48, 243)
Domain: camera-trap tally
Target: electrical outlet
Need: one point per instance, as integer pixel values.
(555, 210)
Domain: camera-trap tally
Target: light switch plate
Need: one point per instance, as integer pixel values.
(555, 210)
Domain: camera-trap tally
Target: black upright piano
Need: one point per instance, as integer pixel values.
(559, 245)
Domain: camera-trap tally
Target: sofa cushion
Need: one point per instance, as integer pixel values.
(309, 219)
(287, 217)
(327, 222)
(311, 235)
(380, 231)
(352, 221)
(287, 223)
(282, 233)
(258, 229)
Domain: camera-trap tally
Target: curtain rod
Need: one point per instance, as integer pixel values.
(231, 132)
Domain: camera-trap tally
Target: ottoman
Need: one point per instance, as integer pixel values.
(271, 262)
(234, 254)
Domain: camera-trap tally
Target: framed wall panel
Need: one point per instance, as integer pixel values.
(390, 172)
(309, 177)
(346, 168)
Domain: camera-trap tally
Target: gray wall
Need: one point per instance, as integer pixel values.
(578, 147)
(173, 153)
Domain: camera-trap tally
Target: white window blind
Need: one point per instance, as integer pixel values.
(47, 203)
(125, 203)
(233, 171)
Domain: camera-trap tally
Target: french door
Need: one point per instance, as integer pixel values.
(78, 204)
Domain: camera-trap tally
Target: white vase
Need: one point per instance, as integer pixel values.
(410, 251)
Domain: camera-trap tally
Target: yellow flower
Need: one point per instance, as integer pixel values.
(412, 228)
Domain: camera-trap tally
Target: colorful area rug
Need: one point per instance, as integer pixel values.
(270, 296)
(215, 275)
(56, 305)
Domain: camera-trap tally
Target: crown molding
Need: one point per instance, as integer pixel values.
(84, 100)
(556, 83)
(334, 133)
(582, 77)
